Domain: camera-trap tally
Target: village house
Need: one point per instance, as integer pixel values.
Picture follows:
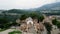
(29, 20)
(28, 23)
(32, 23)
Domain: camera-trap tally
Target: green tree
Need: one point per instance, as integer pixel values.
(24, 16)
(34, 15)
(58, 25)
(54, 21)
(48, 28)
(41, 18)
(4, 22)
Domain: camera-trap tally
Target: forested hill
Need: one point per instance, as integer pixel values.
(53, 6)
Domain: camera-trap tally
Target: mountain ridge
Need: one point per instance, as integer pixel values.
(53, 6)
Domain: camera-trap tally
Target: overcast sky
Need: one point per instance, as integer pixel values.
(23, 4)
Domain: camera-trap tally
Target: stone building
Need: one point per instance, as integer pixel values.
(29, 20)
(36, 26)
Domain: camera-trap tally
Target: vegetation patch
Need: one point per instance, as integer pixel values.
(2, 30)
(15, 32)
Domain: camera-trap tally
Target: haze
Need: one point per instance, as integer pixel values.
(23, 4)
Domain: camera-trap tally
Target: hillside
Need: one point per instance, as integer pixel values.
(53, 6)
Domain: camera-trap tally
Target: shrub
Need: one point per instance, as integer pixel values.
(48, 28)
(15, 32)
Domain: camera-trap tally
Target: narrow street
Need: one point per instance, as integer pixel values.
(31, 31)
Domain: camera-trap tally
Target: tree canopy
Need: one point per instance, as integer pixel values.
(48, 28)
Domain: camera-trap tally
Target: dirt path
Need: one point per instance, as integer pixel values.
(6, 31)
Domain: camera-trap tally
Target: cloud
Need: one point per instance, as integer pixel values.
(23, 4)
